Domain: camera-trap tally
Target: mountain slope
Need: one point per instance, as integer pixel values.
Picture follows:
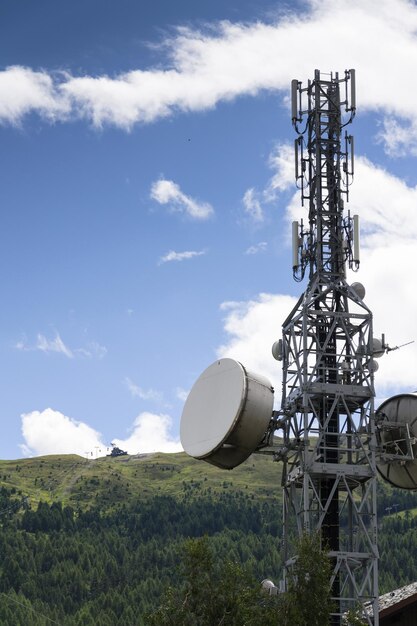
(107, 481)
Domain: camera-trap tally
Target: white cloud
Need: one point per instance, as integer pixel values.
(180, 256)
(150, 433)
(386, 204)
(393, 301)
(52, 432)
(25, 90)
(143, 394)
(253, 206)
(252, 327)
(259, 247)
(388, 212)
(226, 60)
(167, 192)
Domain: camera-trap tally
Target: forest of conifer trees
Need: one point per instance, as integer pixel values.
(100, 567)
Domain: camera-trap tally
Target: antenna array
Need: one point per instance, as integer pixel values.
(324, 172)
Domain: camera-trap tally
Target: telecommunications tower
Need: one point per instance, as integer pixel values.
(333, 441)
(328, 355)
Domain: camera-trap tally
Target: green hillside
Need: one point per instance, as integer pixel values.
(108, 481)
(97, 542)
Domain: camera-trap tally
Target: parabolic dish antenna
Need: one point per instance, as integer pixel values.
(226, 414)
(401, 410)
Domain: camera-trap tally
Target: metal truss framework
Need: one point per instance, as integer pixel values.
(327, 412)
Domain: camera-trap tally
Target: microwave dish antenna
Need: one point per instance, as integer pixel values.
(226, 414)
(397, 435)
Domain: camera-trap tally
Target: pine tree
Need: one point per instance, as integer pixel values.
(308, 599)
(228, 595)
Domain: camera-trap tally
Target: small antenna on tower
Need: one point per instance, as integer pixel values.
(388, 349)
(356, 248)
(294, 100)
(352, 75)
(295, 245)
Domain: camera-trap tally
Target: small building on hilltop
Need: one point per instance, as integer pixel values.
(117, 452)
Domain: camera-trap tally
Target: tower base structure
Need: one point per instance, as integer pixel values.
(329, 478)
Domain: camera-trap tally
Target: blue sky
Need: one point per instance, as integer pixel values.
(146, 194)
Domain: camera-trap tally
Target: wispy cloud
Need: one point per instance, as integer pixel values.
(53, 345)
(43, 344)
(252, 205)
(167, 192)
(259, 247)
(180, 256)
(143, 394)
(182, 394)
(57, 345)
(399, 136)
(92, 350)
(280, 162)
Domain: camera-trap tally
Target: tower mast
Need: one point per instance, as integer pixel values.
(327, 412)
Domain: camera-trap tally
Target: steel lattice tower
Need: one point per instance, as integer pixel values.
(327, 412)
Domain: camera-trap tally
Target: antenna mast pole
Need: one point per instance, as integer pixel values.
(327, 412)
